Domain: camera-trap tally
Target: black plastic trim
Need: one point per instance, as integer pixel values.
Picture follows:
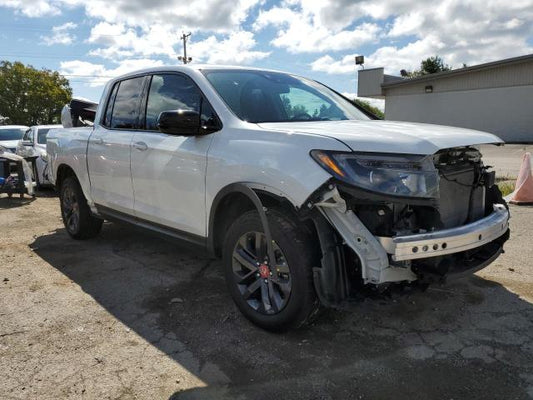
(114, 215)
(330, 280)
(246, 189)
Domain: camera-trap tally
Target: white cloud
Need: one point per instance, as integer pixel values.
(60, 34)
(237, 48)
(32, 8)
(407, 57)
(209, 15)
(95, 75)
(407, 24)
(119, 40)
(472, 33)
(302, 37)
(395, 34)
(302, 31)
(329, 65)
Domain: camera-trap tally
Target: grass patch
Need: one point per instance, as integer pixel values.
(506, 187)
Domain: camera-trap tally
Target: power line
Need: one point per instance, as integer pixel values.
(88, 76)
(41, 56)
(75, 56)
(49, 30)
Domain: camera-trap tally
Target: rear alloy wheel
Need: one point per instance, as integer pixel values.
(276, 295)
(70, 209)
(77, 217)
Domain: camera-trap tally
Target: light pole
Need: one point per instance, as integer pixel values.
(184, 58)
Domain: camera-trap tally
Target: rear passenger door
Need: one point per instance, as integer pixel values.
(168, 171)
(109, 149)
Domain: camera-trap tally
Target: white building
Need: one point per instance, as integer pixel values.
(496, 97)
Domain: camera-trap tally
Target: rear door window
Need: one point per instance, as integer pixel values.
(125, 114)
(109, 108)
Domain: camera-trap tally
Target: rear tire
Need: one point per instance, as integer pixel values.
(38, 185)
(77, 217)
(275, 296)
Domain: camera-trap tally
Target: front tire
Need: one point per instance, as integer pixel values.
(77, 217)
(276, 296)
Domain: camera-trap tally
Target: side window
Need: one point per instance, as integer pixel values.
(125, 112)
(28, 135)
(170, 92)
(208, 117)
(110, 103)
(41, 135)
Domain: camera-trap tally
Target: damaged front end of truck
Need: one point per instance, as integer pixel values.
(387, 218)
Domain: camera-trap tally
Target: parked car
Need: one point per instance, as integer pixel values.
(302, 194)
(33, 145)
(10, 136)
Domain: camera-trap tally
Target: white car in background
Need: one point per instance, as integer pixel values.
(33, 145)
(10, 135)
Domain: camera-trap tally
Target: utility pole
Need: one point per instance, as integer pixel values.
(184, 58)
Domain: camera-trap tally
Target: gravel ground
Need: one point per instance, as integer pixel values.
(129, 316)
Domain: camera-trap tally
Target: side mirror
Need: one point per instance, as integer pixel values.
(27, 143)
(179, 122)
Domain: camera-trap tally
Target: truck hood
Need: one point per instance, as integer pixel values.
(388, 136)
(10, 144)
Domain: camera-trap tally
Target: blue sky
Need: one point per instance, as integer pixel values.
(89, 42)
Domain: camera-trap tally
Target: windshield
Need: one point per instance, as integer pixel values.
(263, 96)
(41, 135)
(12, 133)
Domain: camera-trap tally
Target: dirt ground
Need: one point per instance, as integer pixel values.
(129, 316)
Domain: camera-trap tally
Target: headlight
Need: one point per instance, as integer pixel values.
(400, 175)
(44, 156)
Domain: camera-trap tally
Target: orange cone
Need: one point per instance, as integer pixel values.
(523, 192)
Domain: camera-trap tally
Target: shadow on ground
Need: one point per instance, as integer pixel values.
(17, 201)
(470, 339)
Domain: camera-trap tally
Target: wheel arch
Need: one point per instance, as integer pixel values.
(63, 172)
(236, 199)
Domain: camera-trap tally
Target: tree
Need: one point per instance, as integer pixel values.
(428, 66)
(29, 96)
(370, 108)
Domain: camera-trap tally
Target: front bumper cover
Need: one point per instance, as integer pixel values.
(390, 259)
(448, 241)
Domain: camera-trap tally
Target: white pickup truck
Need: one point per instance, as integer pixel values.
(307, 198)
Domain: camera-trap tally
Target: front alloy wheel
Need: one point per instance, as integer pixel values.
(265, 286)
(277, 294)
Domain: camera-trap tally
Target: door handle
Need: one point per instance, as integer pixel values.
(97, 141)
(141, 146)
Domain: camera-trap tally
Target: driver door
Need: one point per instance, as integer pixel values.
(168, 170)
